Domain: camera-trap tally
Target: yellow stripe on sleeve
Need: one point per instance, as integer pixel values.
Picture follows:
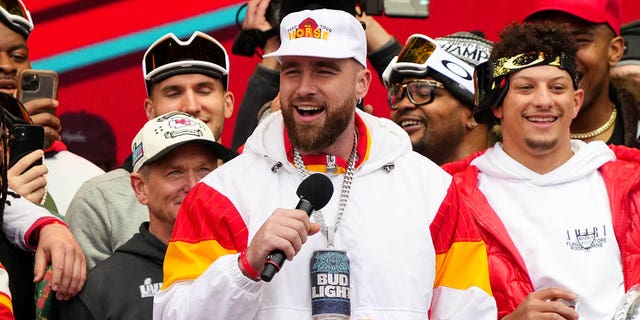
(6, 301)
(187, 261)
(465, 265)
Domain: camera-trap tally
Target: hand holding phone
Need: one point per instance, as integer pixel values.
(38, 91)
(30, 183)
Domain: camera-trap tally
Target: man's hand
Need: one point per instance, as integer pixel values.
(545, 304)
(42, 113)
(28, 184)
(58, 247)
(286, 230)
(255, 16)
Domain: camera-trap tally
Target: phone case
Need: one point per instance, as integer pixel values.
(33, 84)
(26, 138)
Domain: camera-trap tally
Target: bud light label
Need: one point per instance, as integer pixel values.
(330, 295)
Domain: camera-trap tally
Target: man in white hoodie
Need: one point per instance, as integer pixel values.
(386, 234)
(559, 216)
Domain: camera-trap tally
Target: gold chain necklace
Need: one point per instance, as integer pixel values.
(605, 127)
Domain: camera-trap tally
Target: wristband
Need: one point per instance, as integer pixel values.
(248, 268)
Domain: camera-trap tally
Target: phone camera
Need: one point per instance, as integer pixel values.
(31, 82)
(19, 133)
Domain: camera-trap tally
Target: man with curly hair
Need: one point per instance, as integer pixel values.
(551, 253)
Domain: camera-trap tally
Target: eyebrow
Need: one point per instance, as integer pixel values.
(327, 64)
(317, 63)
(18, 47)
(210, 83)
(533, 78)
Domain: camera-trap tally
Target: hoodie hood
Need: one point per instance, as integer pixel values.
(376, 147)
(145, 245)
(587, 158)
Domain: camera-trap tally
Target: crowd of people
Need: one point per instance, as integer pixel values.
(504, 185)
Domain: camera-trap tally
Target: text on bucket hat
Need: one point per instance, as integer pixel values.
(595, 11)
(631, 34)
(323, 33)
(14, 14)
(450, 60)
(161, 135)
(170, 56)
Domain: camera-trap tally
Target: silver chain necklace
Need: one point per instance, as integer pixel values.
(329, 233)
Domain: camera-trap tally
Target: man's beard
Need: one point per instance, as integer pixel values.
(542, 145)
(439, 149)
(314, 137)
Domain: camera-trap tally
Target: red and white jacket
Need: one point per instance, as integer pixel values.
(510, 281)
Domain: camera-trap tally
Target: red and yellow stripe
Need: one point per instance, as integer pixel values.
(208, 226)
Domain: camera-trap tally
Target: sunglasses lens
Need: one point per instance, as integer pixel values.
(482, 78)
(417, 50)
(170, 51)
(14, 7)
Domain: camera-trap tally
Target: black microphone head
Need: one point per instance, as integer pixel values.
(317, 189)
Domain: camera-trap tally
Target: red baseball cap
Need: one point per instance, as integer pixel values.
(596, 11)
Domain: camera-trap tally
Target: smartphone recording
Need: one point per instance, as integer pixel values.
(25, 138)
(35, 84)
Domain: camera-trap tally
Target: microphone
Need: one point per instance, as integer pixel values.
(314, 192)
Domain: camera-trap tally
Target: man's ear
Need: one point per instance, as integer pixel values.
(497, 111)
(228, 104)
(616, 50)
(139, 187)
(148, 108)
(363, 82)
(578, 99)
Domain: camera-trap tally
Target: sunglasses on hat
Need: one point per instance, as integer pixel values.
(15, 15)
(411, 61)
(169, 56)
(419, 92)
(422, 56)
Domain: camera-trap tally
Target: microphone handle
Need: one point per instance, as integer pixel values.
(276, 258)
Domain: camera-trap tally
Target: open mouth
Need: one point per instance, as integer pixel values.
(309, 110)
(409, 123)
(547, 119)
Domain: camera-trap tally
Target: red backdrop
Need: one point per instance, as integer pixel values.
(114, 88)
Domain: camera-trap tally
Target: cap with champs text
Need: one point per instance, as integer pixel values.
(323, 33)
(596, 11)
(163, 134)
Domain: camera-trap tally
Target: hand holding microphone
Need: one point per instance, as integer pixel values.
(314, 192)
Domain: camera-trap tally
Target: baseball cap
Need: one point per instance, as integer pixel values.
(596, 11)
(170, 56)
(82, 131)
(450, 60)
(161, 135)
(323, 33)
(631, 34)
(14, 14)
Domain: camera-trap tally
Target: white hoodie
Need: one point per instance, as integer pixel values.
(560, 222)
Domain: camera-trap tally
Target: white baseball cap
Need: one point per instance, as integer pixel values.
(161, 135)
(323, 33)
